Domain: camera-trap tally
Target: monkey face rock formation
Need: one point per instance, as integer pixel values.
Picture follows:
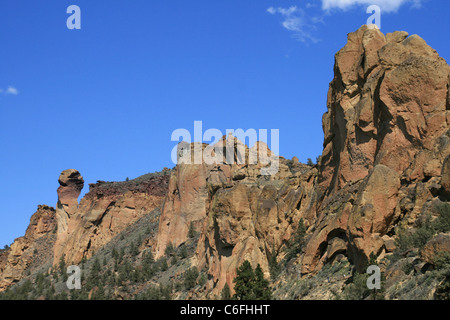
(71, 183)
(106, 210)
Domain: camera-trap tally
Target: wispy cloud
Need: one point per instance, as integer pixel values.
(296, 21)
(385, 5)
(12, 90)
(303, 24)
(9, 91)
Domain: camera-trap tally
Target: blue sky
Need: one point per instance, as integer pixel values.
(105, 99)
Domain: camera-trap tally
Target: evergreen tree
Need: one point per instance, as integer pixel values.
(183, 252)
(164, 265)
(298, 241)
(134, 249)
(169, 249)
(250, 284)
(99, 294)
(94, 275)
(244, 282)
(274, 267)
(261, 287)
(226, 293)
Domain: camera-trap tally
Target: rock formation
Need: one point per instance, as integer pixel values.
(386, 140)
(27, 250)
(385, 165)
(386, 134)
(105, 211)
(240, 213)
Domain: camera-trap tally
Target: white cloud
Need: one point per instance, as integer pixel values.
(385, 5)
(272, 10)
(295, 20)
(12, 90)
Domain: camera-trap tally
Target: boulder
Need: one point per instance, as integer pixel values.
(439, 243)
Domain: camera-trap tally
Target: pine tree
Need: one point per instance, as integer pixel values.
(261, 287)
(226, 293)
(94, 275)
(170, 249)
(274, 267)
(298, 241)
(244, 282)
(250, 284)
(164, 265)
(183, 252)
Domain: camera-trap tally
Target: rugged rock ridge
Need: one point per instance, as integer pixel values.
(386, 137)
(386, 140)
(385, 164)
(240, 213)
(77, 230)
(38, 239)
(105, 211)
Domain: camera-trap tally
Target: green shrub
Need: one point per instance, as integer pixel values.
(409, 239)
(170, 249)
(357, 289)
(190, 278)
(296, 244)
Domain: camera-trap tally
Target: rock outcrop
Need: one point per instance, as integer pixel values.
(106, 210)
(386, 134)
(239, 212)
(385, 165)
(386, 140)
(29, 251)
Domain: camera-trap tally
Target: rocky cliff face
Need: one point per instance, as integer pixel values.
(386, 140)
(105, 211)
(77, 230)
(384, 166)
(26, 252)
(240, 213)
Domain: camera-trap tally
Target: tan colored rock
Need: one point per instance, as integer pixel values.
(388, 117)
(396, 36)
(439, 243)
(373, 214)
(445, 182)
(386, 122)
(105, 211)
(389, 243)
(39, 237)
(186, 203)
